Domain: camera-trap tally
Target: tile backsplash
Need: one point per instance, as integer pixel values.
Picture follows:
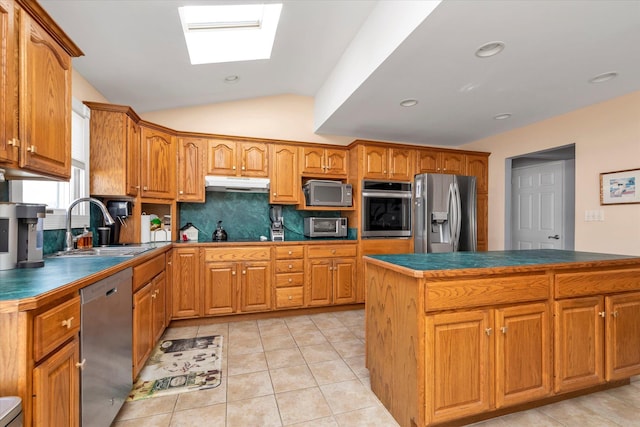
(243, 215)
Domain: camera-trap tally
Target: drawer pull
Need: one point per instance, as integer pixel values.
(290, 266)
(290, 280)
(67, 322)
(290, 252)
(290, 297)
(81, 364)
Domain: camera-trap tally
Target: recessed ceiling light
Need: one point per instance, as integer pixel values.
(231, 79)
(228, 33)
(409, 102)
(489, 49)
(604, 77)
(502, 116)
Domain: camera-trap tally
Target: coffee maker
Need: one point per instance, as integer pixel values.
(30, 234)
(277, 223)
(8, 236)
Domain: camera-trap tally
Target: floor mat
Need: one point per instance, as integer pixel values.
(180, 365)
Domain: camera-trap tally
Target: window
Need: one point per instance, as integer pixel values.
(59, 195)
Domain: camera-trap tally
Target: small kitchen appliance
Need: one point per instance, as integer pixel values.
(386, 209)
(30, 234)
(325, 227)
(219, 235)
(277, 223)
(8, 236)
(320, 192)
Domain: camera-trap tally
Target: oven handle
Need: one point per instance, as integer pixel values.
(394, 195)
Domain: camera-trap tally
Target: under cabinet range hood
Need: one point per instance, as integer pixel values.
(237, 184)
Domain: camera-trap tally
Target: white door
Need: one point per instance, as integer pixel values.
(537, 208)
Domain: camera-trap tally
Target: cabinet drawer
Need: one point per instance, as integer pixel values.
(289, 252)
(331, 251)
(143, 273)
(585, 283)
(454, 294)
(55, 326)
(289, 266)
(238, 254)
(289, 279)
(289, 297)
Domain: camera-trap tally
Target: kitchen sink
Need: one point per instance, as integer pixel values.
(113, 251)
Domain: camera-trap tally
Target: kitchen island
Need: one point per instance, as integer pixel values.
(459, 337)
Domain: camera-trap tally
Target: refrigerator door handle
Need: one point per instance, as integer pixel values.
(457, 215)
(453, 216)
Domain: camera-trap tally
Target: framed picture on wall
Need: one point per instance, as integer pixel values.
(620, 187)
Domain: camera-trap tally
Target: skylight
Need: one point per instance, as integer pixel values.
(229, 33)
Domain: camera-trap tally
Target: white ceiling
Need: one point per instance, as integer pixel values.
(360, 66)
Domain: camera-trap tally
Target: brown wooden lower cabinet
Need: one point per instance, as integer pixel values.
(56, 388)
(186, 297)
(330, 274)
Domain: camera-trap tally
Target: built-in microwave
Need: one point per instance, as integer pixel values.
(386, 209)
(325, 227)
(319, 192)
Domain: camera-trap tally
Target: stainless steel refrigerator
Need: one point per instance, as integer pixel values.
(445, 213)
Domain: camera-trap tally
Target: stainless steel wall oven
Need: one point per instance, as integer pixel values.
(386, 209)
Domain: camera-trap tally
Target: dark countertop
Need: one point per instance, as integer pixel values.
(24, 283)
(493, 259)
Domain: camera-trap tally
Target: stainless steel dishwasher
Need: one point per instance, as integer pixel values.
(106, 348)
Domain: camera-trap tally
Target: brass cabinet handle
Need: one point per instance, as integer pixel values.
(290, 266)
(233, 168)
(180, 192)
(615, 313)
(488, 331)
(233, 273)
(13, 142)
(81, 364)
(290, 297)
(290, 252)
(31, 149)
(504, 329)
(290, 280)
(601, 313)
(67, 322)
(244, 271)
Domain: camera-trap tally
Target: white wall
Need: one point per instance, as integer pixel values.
(607, 138)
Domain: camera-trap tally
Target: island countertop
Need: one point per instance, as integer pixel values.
(461, 263)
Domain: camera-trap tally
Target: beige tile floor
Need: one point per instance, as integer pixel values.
(309, 371)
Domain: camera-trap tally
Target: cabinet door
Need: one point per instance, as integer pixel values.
(375, 162)
(159, 297)
(45, 102)
(401, 164)
(452, 163)
(482, 221)
(191, 170)
(220, 288)
(222, 157)
(458, 364)
(428, 161)
(478, 166)
(142, 327)
(336, 161)
(523, 354)
(133, 158)
(186, 294)
(109, 153)
(285, 179)
(253, 159)
(623, 336)
(313, 161)
(578, 343)
(158, 164)
(319, 282)
(8, 80)
(56, 389)
(255, 291)
(344, 281)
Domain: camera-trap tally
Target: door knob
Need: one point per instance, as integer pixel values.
(554, 237)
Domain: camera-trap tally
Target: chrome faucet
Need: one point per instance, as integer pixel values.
(108, 220)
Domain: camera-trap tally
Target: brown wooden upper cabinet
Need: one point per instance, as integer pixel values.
(191, 155)
(326, 162)
(436, 161)
(387, 163)
(285, 185)
(35, 56)
(478, 166)
(237, 158)
(115, 151)
(158, 164)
